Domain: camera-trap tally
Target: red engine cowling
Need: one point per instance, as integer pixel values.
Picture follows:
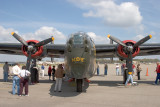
(38, 50)
(120, 50)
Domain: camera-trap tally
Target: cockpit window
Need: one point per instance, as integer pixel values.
(78, 39)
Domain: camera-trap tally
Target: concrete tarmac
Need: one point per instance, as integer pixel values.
(103, 91)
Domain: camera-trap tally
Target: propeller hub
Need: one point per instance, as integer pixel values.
(123, 52)
(30, 48)
(130, 48)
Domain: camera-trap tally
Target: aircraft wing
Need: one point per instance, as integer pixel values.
(55, 50)
(149, 49)
(106, 51)
(102, 50)
(50, 50)
(11, 48)
(110, 50)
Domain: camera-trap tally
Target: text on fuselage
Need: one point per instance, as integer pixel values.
(78, 59)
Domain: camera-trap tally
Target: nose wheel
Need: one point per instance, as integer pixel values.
(79, 85)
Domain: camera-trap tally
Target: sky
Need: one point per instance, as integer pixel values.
(41, 19)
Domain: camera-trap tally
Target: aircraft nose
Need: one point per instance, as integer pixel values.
(78, 55)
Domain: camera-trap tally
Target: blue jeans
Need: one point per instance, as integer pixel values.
(122, 72)
(117, 71)
(5, 76)
(129, 78)
(16, 82)
(158, 77)
(105, 72)
(97, 71)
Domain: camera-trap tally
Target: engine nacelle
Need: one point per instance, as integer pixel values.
(121, 52)
(37, 51)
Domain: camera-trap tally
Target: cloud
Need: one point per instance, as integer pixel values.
(46, 32)
(125, 14)
(40, 34)
(154, 38)
(98, 39)
(5, 34)
(138, 37)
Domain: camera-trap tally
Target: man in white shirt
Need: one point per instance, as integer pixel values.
(23, 80)
(16, 78)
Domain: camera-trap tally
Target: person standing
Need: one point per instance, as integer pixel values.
(24, 81)
(53, 73)
(97, 68)
(105, 69)
(16, 79)
(133, 66)
(59, 76)
(139, 69)
(34, 75)
(158, 73)
(42, 70)
(129, 78)
(64, 73)
(122, 68)
(39, 70)
(49, 72)
(117, 69)
(5, 71)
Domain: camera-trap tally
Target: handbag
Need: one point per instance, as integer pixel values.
(26, 77)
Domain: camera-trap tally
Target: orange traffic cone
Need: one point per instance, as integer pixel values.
(147, 72)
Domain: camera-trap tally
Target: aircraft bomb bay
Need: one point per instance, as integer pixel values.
(102, 91)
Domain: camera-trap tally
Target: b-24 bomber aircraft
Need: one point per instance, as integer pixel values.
(80, 52)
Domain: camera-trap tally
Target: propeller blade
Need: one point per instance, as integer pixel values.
(117, 40)
(142, 40)
(44, 42)
(20, 39)
(28, 61)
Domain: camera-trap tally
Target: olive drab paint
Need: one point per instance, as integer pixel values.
(80, 56)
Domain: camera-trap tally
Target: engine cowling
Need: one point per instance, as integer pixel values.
(37, 52)
(121, 51)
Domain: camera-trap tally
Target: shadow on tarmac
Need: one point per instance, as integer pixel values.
(117, 83)
(68, 89)
(9, 80)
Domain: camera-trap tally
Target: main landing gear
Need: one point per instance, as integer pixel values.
(125, 74)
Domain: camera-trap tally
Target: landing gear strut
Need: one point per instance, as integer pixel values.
(79, 85)
(125, 74)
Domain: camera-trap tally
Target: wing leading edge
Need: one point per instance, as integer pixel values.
(102, 50)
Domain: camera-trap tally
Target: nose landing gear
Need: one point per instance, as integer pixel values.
(79, 85)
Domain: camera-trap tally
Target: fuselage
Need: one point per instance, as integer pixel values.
(80, 56)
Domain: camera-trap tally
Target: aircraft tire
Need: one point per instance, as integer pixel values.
(79, 85)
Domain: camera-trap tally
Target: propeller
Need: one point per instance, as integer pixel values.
(142, 40)
(128, 49)
(20, 39)
(44, 42)
(31, 47)
(116, 40)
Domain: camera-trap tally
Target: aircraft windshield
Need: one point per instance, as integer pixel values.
(78, 39)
